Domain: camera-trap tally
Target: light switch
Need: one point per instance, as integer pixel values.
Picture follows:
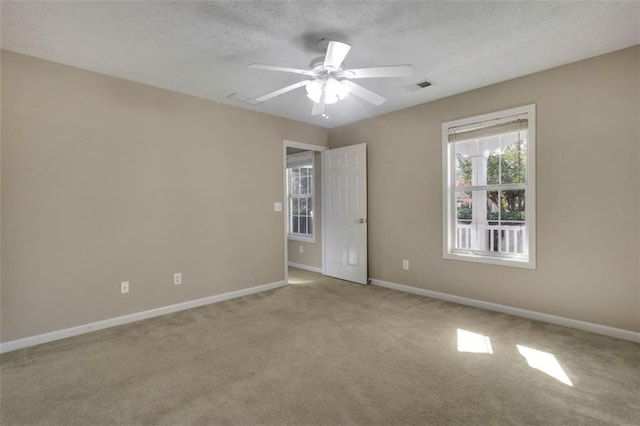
(277, 207)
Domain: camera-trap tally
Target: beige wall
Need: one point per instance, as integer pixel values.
(105, 180)
(587, 201)
(312, 252)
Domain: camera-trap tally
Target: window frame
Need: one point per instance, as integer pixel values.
(449, 212)
(309, 238)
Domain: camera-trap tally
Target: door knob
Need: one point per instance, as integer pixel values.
(361, 220)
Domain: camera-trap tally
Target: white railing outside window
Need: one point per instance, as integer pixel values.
(500, 239)
(463, 236)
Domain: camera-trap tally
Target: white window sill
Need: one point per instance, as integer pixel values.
(300, 238)
(491, 260)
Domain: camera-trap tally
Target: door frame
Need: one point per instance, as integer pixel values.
(286, 143)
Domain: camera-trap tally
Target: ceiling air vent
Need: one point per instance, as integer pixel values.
(417, 86)
(241, 98)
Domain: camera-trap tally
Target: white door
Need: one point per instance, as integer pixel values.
(345, 212)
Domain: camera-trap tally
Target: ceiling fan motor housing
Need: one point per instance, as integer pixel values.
(317, 66)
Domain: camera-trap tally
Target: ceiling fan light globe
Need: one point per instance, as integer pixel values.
(314, 90)
(331, 91)
(334, 90)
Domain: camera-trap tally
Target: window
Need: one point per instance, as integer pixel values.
(300, 176)
(489, 188)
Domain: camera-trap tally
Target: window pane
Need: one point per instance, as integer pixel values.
(512, 224)
(295, 211)
(464, 207)
(463, 170)
(295, 181)
(464, 211)
(493, 164)
(303, 206)
(492, 240)
(303, 225)
(463, 152)
(294, 224)
(310, 226)
(493, 206)
(485, 160)
(513, 157)
(512, 206)
(304, 186)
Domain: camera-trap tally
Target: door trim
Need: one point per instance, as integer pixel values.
(286, 143)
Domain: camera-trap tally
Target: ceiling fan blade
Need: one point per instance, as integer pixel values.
(379, 72)
(336, 52)
(318, 108)
(365, 94)
(284, 69)
(283, 90)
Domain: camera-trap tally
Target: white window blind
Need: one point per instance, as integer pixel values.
(489, 128)
(300, 159)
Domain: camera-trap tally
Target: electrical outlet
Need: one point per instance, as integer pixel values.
(177, 278)
(301, 249)
(405, 264)
(124, 287)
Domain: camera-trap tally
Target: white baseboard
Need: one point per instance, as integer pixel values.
(13, 345)
(305, 267)
(618, 333)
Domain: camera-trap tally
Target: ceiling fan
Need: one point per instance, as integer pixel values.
(330, 83)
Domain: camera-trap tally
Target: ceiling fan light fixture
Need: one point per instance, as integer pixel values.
(334, 90)
(329, 82)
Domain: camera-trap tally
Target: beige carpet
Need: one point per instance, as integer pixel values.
(323, 351)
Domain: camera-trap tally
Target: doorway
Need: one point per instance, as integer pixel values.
(302, 195)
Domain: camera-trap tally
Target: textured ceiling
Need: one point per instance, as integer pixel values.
(202, 48)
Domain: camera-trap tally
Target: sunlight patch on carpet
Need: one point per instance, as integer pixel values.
(299, 281)
(469, 341)
(545, 362)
